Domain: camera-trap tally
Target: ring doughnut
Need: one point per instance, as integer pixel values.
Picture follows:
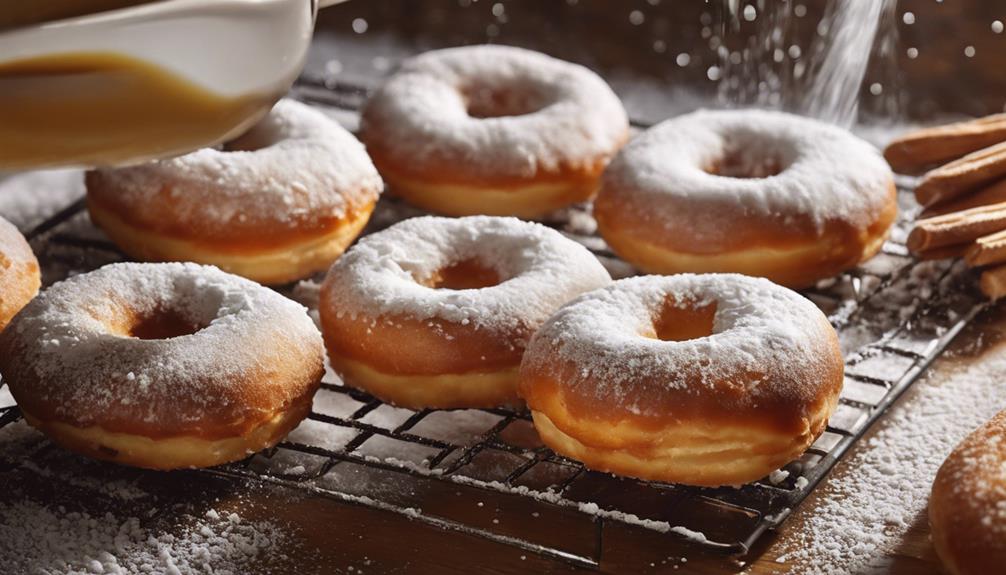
(466, 294)
(493, 130)
(162, 366)
(754, 192)
(966, 507)
(19, 273)
(275, 205)
(714, 379)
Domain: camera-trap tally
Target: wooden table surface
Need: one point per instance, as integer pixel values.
(430, 24)
(914, 554)
(329, 536)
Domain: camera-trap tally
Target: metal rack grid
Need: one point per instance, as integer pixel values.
(894, 316)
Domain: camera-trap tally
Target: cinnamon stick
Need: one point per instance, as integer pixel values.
(957, 177)
(913, 152)
(987, 250)
(944, 253)
(993, 282)
(957, 228)
(993, 194)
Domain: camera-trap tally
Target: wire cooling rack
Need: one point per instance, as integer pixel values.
(894, 315)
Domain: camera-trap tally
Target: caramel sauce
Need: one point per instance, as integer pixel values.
(17, 13)
(104, 108)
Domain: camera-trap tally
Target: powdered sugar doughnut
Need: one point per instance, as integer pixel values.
(277, 204)
(466, 294)
(162, 365)
(493, 130)
(702, 379)
(19, 273)
(967, 508)
(755, 192)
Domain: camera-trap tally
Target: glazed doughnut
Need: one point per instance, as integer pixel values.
(465, 294)
(755, 192)
(714, 379)
(967, 508)
(19, 273)
(493, 130)
(275, 205)
(162, 366)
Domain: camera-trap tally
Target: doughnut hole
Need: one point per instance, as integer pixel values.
(466, 274)
(163, 325)
(751, 156)
(485, 101)
(159, 324)
(677, 322)
(746, 164)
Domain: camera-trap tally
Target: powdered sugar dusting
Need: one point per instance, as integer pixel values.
(758, 327)
(19, 272)
(15, 257)
(587, 507)
(27, 198)
(294, 169)
(538, 267)
(975, 474)
(864, 511)
(562, 115)
(37, 539)
(827, 174)
(65, 345)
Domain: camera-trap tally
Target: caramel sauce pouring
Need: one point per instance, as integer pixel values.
(104, 108)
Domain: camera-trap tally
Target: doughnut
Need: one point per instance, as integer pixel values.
(967, 507)
(755, 192)
(493, 130)
(712, 379)
(435, 312)
(19, 273)
(275, 205)
(162, 366)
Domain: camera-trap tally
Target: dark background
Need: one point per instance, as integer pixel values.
(637, 53)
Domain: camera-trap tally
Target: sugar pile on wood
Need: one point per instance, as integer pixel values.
(875, 497)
